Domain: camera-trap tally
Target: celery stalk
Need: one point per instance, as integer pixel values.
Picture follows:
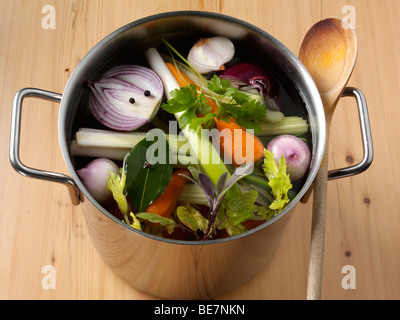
(288, 125)
(208, 158)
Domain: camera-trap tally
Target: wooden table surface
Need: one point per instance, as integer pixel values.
(39, 226)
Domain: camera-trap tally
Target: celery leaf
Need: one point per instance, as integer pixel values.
(279, 180)
(116, 184)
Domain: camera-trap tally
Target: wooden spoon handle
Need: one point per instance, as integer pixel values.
(315, 265)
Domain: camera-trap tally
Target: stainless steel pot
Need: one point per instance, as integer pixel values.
(171, 268)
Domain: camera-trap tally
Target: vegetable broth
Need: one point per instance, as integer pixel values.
(287, 97)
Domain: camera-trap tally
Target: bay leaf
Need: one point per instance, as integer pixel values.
(146, 180)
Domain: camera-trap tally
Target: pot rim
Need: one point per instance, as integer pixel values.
(304, 74)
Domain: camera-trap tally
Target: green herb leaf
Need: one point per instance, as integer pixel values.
(221, 86)
(233, 229)
(240, 209)
(135, 222)
(240, 106)
(192, 218)
(182, 99)
(186, 218)
(191, 103)
(144, 182)
(168, 223)
(116, 184)
(279, 180)
(155, 218)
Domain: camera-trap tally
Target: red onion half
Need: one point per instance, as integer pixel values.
(248, 76)
(126, 97)
(296, 153)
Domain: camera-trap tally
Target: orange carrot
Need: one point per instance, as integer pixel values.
(183, 79)
(228, 146)
(166, 202)
(246, 146)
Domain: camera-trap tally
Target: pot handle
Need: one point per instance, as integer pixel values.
(15, 137)
(366, 139)
(365, 134)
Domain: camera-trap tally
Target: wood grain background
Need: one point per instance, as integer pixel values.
(39, 226)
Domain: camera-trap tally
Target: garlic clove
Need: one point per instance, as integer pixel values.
(210, 54)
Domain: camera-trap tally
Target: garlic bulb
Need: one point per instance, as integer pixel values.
(210, 54)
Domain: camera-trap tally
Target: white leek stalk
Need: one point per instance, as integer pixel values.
(114, 145)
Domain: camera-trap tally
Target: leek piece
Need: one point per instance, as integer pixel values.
(92, 138)
(119, 154)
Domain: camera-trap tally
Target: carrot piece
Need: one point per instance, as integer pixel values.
(182, 79)
(246, 147)
(238, 151)
(166, 202)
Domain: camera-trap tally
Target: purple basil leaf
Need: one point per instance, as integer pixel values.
(240, 172)
(207, 184)
(209, 198)
(221, 183)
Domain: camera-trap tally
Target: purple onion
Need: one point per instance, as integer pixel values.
(126, 97)
(249, 77)
(94, 177)
(296, 153)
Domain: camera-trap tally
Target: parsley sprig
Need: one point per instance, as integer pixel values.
(230, 101)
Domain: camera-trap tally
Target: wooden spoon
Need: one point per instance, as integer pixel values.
(328, 51)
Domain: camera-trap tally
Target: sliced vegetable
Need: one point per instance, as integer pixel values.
(94, 177)
(296, 153)
(164, 205)
(210, 54)
(237, 144)
(126, 97)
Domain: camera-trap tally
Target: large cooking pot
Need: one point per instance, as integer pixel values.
(164, 267)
